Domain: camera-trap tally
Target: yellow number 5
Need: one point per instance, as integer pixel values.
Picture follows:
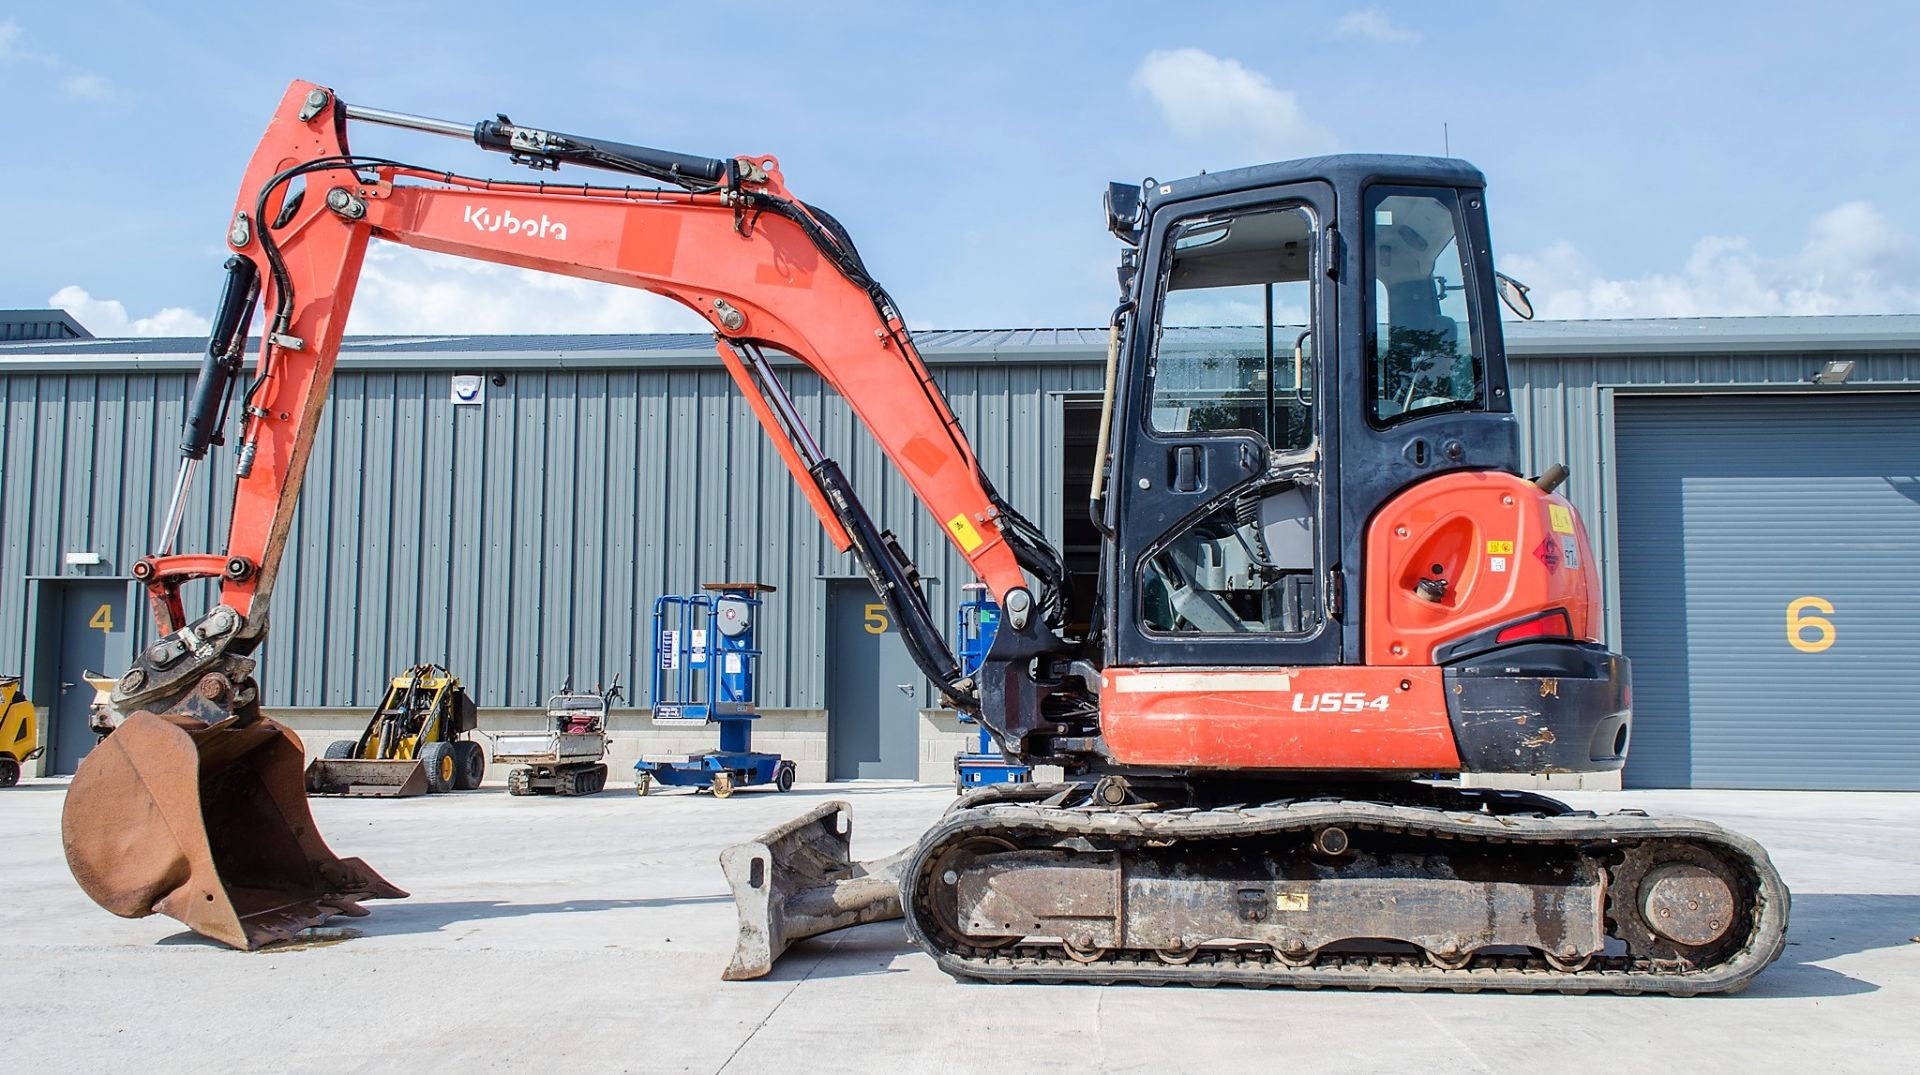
(876, 621)
(1798, 624)
(102, 618)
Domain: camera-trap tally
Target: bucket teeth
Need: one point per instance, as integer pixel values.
(208, 825)
(799, 881)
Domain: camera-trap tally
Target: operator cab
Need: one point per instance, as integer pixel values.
(1292, 327)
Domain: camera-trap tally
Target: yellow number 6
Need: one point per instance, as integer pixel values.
(1798, 624)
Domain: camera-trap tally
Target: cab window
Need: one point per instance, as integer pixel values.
(1421, 356)
(1233, 351)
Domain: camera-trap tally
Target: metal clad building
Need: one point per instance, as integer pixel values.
(523, 537)
(40, 325)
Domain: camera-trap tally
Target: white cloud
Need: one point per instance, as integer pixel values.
(74, 82)
(1372, 24)
(407, 292)
(1854, 261)
(91, 87)
(404, 291)
(108, 317)
(1204, 97)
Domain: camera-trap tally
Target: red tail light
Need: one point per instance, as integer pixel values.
(1552, 624)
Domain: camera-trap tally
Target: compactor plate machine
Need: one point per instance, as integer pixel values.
(1325, 591)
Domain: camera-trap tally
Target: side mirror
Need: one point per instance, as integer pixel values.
(1514, 294)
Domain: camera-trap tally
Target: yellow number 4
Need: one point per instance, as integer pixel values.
(102, 618)
(876, 621)
(1799, 623)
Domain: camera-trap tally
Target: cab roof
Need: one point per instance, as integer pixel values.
(1342, 170)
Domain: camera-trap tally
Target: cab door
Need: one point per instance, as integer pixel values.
(1222, 533)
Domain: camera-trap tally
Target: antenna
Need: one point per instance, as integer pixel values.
(1446, 140)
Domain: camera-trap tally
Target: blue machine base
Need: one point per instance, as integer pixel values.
(978, 770)
(748, 768)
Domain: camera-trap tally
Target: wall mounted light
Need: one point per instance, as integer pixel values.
(1834, 372)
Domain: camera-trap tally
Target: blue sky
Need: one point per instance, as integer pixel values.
(1644, 159)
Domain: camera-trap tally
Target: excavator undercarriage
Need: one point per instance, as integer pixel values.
(1410, 886)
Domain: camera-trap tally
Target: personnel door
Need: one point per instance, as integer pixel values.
(873, 689)
(93, 638)
(1224, 529)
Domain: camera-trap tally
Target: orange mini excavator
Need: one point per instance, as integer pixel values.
(1324, 591)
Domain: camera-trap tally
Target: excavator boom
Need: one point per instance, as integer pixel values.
(196, 775)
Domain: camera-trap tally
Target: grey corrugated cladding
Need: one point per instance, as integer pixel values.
(519, 540)
(526, 538)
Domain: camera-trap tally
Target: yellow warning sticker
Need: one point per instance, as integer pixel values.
(1561, 518)
(1499, 548)
(1291, 901)
(964, 533)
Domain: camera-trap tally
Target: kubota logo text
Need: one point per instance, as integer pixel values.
(504, 220)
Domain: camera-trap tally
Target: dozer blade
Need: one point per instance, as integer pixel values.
(208, 824)
(363, 777)
(799, 881)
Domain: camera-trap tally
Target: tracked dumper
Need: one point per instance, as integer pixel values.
(1326, 591)
(569, 756)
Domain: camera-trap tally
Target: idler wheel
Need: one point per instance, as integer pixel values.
(943, 899)
(1675, 901)
(1686, 903)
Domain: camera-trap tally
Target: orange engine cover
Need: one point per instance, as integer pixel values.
(1349, 718)
(1504, 548)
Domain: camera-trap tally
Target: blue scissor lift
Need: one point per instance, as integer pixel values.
(703, 673)
(975, 624)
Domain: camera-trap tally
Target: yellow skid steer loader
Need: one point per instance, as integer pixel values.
(19, 731)
(413, 745)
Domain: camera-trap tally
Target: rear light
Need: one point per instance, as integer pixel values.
(1551, 624)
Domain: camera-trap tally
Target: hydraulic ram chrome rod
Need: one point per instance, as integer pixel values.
(413, 123)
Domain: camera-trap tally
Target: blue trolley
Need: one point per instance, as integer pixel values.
(703, 673)
(975, 624)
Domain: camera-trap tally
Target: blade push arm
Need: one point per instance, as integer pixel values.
(762, 268)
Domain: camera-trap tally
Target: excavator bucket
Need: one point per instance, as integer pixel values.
(208, 824)
(800, 881)
(365, 777)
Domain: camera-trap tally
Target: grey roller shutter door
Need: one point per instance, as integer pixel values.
(1731, 509)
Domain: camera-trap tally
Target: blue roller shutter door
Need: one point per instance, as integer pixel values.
(1740, 516)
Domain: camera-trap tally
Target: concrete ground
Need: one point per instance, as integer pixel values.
(589, 934)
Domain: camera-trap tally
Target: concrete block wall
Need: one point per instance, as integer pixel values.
(799, 735)
(1545, 781)
(941, 737)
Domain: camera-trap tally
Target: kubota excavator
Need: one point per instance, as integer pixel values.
(1324, 587)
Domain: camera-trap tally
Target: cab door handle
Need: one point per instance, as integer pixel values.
(1186, 469)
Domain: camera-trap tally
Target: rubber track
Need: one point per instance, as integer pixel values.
(1257, 966)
